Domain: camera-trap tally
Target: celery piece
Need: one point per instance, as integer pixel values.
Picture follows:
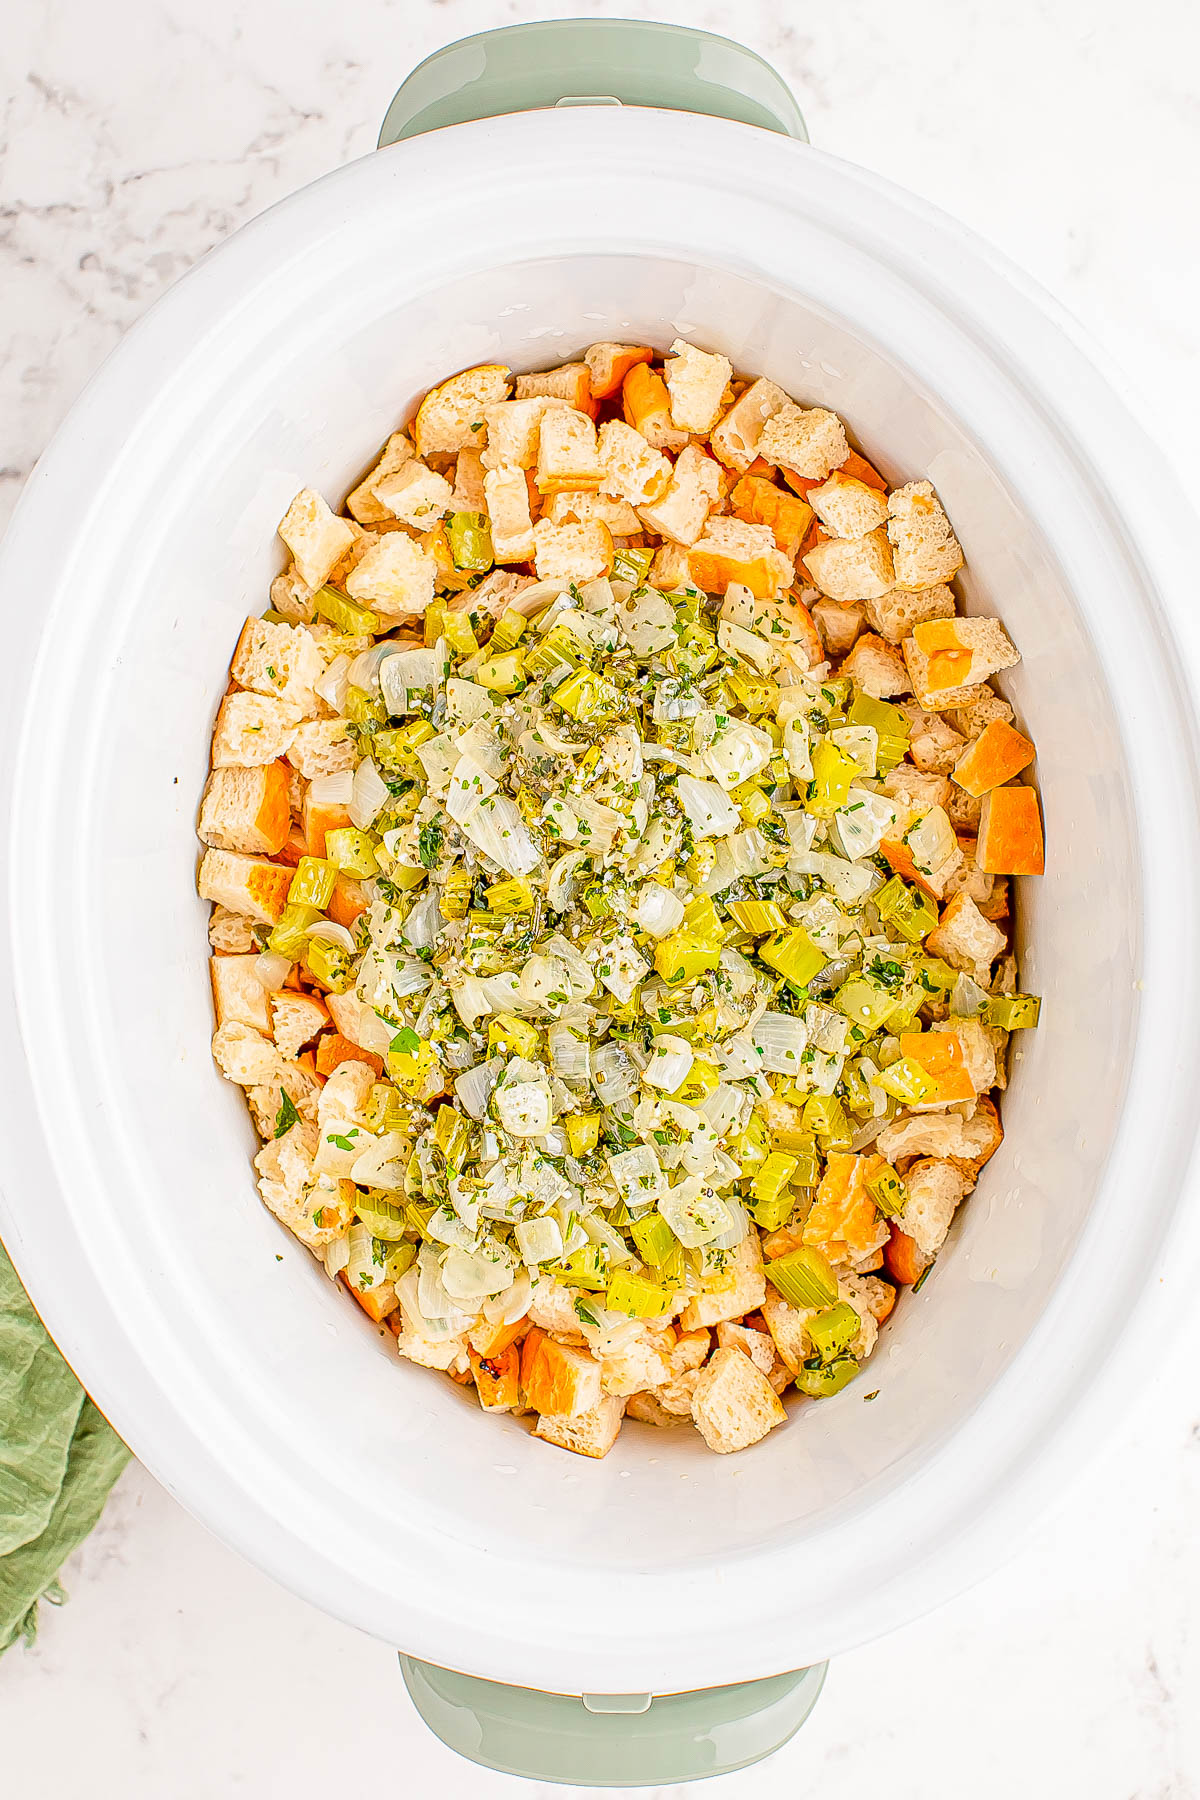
(345, 615)
(418, 1215)
(774, 1175)
(680, 957)
(381, 1218)
(433, 623)
(329, 963)
(694, 653)
(808, 1163)
(757, 916)
(698, 1083)
(858, 1092)
(470, 538)
(411, 1062)
(459, 633)
(833, 1330)
(794, 955)
(290, 935)
(548, 662)
(934, 975)
(400, 1260)
(865, 1003)
(597, 902)
(637, 1296)
(754, 692)
(825, 1115)
(511, 1036)
(819, 1380)
(803, 1277)
(456, 893)
(587, 1268)
(497, 941)
(833, 774)
(910, 911)
(654, 1239)
(583, 1132)
(273, 617)
(907, 1082)
(755, 807)
(632, 566)
(752, 1146)
(362, 710)
(512, 896)
(351, 851)
(591, 699)
(504, 674)
(1012, 1012)
(509, 629)
(888, 1192)
(888, 722)
(769, 1215)
(312, 884)
(701, 921)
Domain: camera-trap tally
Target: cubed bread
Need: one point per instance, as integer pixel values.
(292, 598)
(1010, 832)
(761, 501)
(315, 535)
(322, 747)
(591, 1433)
(231, 933)
(964, 810)
(396, 576)
(552, 1308)
(639, 1363)
(965, 939)
(893, 615)
(946, 1136)
(977, 1048)
(693, 490)
(415, 494)
(450, 418)
(581, 507)
(757, 1345)
(734, 1404)
(696, 381)
(347, 1093)
(558, 1378)
(933, 743)
(876, 668)
(851, 568)
(239, 997)
(282, 661)
(609, 364)
(295, 1020)
(935, 1191)
(494, 595)
(848, 508)
(244, 1055)
(246, 810)
(649, 1410)
(977, 711)
(916, 788)
(576, 553)
(246, 885)
(740, 1290)
(646, 405)
(292, 1082)
(317, 1209)
(514, 429)
(568, 456)
(838, 625)
(807, 439)
(925, 549)
(569, 382)
(944, 656)
(924, 849)
(507, 495)
(996, 755)
(788, 1326)
(735, 438)
(633, 470)
(732, 551)
(468, 494)
(361, 502)
(252, 729)
(670, 569)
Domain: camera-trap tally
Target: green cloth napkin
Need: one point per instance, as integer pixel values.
(59, 1457)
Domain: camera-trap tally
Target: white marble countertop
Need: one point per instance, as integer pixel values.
(136, 135)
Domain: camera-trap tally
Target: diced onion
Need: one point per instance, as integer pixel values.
(539, 1240)
(658, 910)
(332, 790)
(695, 1214)
(671, 1059)
(709, 809)
(613, 1074)
(782, 1039)
(474, 1086)
(334, 682)
(560, 889)
(272, 970)
(384, 1164)
(477, 1275)
(367, 796)
(569, 1055)
(497, 828)
(326, 932)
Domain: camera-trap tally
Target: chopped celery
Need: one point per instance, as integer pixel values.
(632, 566)
(832, 777)
(755, 692)
(418, 1216)
(803, 1277)
(312, 884)
(410, 1062)
(362, 711)
(351, 851)
(381, 1218)
(825, 1115)
(794, 955)
(587, 1268)
(935, 976)
(400, 1260)
(511, 1036)
(755, 806)
(819, 1380)
(509, 896)
(591, 699)
(865, 1003)
(470, 538)
(583, 1132)
(752, 1146)
(459, 633)
(451, 1134)
(769, 1215)
(456, 893)
(757, 916)
(890, 725)
(912, 912)
(345, 615)
(290, 935)
(700, 919)
(1012, 1012)
(509, 629)
(680, 957)
(808, 1163)
(833, 1330)
(597, 902)
(907, 1082)
(774, 1175)
(637, 1296)
(504, 674)
(654, 1239)
(888, 1192)
(331, 965)
(698, 1083)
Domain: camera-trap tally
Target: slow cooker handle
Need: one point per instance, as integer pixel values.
(591, 62)
(611, 1740)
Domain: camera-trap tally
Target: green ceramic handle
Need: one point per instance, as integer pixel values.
(611, 1740)
(607, 62)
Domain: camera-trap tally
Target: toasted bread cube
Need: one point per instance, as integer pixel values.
(290, 1080)
(843, 1221)
(876, 668)
(732, 551)
(734, 1404)
(647, 407)
(964, 811)
(996, 755)
(292, 597)
(926, 550)
(944, 656)
(935, 1192)
(893, 615)
(315, 535)
(252, 729)
(282, 661)
(361, 502)
(246, 885)
(852, 568)
(244, 1055)
(633, 470)
(318, 817)
(295, 1021)
(552, 1308)
(924, 849)
(989, 892)
(570, 382)
(498, 1379)
(918, 789)
(448, 1354)
(591, 1433)
(945, 1136)
(415, 494)
(514, 429)
(696, 381)
(838, 625)
(347, 1094)
(231, 933)
(558, 1378)
(848, 508)
(322, 747)
(576, 553)
(808, 440)
(568, 456)
(740, 1291)
(649, 1410)
(239, 997)
(675, 1396)
(609, 364)
(246, 810)
(734, 438)
(640, 1363)
(693, 491)
(395, 577)
(974, 713)
(582, 507)
(670, 569)
(507, 495)
(965, 939)
(933, 743)
(757, 1345)
(468, 494)
(494, 595)
(788, 1326)
(450, 418)
(317, 1209)
(1010, 832)
(757, 500)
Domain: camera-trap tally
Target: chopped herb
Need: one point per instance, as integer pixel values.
(286, 1117)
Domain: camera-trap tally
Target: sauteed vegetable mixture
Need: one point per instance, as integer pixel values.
(609, 833)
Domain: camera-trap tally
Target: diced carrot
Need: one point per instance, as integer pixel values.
(347, 902)
(760, 502)
(862, 470)
(902, 1259)
(333, 1049)
(1010, 832)
(498, 1379)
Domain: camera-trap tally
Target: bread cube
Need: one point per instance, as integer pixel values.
(734, 439)
(576, 553)
(395, 577)
(317, 1209)
(361, 502)
(292, 597)
(415, 494)
(252, 729)
(639, 1364)
(694, 489)
(591, 1433)
(996, 755)
(246, 810)
(760, 502)
(757, 1345)
(230, 933)
(947, 656)
(647, 407)
(740, 1290)
(933, 743)
(1010, 832)
(732, 551)
(926, 551)
(916, 789)
(809, 440)
(925, 850)
(239, 997)
(347, 1094)
(295, 1021)
(977, 710)
(468, 494)
(582, 507)
(570, 382)
(282, 661)
(848, 508)
(450, 418)
(851, 568)
(246, 885)
(838, 625)
(935, 1192)
(670, 569)
(243, 1054)
(507, 494)
(316, 537)
(322, 747)
(633, 470)
(558, 1378)
(568, 456)
(876, 668)
(609, 364)
(649, 1410)
(290, 1080)
(514, 429)
(965, 939)
(945, 1136)
(894, 614)
(696, 381)
(734, 1404)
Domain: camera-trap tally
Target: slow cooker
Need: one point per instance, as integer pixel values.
(664, 1613)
